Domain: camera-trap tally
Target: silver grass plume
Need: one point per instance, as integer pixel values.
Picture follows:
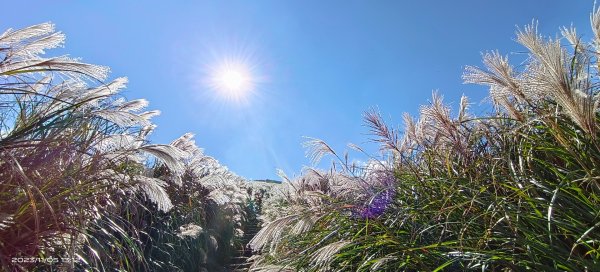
(186, 144)
(118, 142)
(563, 77)
(323, 256)
(271, 268)
(570, 34)
(154, 189)
(132, 105)
(386, 137)
(21, 49)
(103, 91)
(31, 41)
(316, 149)
(189, 230)
(503, 83)
(271, 233)
(305, 223)
(595, 21)
(171, 156)
(552, 72)
(463, 108)
(15, 36)
(70, 67)
(409, 139)
(440, 130)
(381, 261)
(123, 118)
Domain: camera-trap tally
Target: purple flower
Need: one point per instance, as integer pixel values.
(377, 205)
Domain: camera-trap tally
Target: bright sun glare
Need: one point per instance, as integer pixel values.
(231, 79)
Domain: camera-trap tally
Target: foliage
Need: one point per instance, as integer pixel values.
(515, 190)
(80, 180)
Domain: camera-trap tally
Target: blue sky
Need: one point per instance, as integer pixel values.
(321, 63)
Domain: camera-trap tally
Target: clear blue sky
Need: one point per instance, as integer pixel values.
(324, 62)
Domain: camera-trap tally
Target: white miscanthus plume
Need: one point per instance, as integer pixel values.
(6, 220)
(437, 129)
(31, 41)
(551, 72)
(305, 223)
(381, 261)
(171, 156)
(595, 20)
(219, 197)
(124, 113)
(37, 46)
(294, 207)
(11, 36)
(323, 256)
(20, 52)
(108, 175)
(116, 142)
(271, 268)
(30, 92)
(409, 139)
(67, 66)
(68, 90)
(189, 231)
(561, 74)
(123, 118)
(316, 149)
(276, 196)
(154, 189)
(463, 115)
(570, 34)
(124, 155)
(238, 232)
(271, 233)
(187, 145)
(147, 115)
(104, 91)
(500, 76)
(147, 130)
(133, 105)
(387, 137)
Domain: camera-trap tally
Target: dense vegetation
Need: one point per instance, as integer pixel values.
(82, 188)
(517, 189)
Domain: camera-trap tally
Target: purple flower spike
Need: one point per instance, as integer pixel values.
(378, 204)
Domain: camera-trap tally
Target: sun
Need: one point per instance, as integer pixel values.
(232, 79)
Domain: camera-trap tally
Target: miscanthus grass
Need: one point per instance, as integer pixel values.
(79, 180)
(517, 189)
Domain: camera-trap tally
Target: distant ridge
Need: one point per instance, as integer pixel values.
(266, 180)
